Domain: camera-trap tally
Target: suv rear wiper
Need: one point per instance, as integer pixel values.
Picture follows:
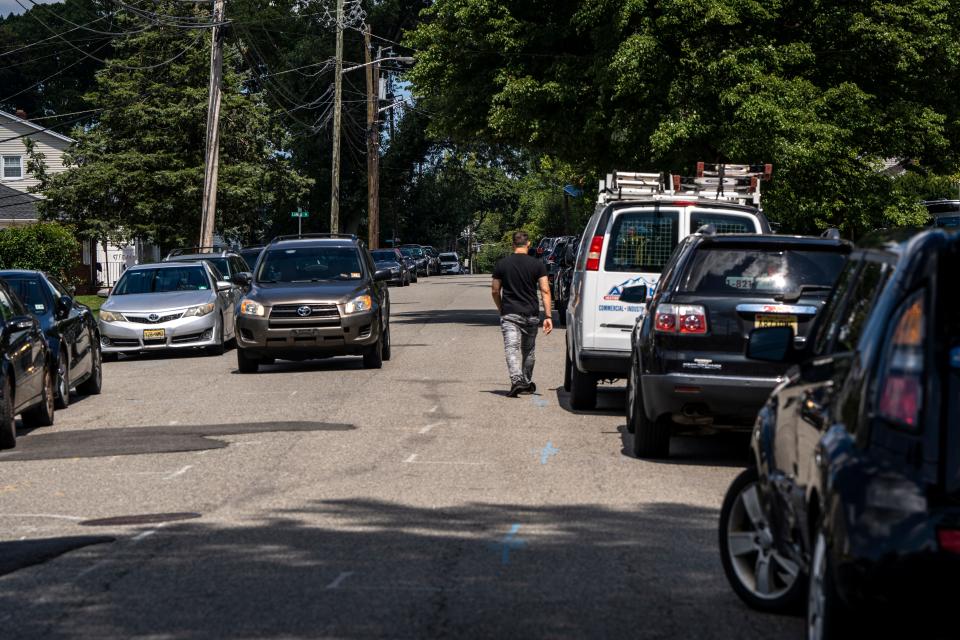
(793, 296)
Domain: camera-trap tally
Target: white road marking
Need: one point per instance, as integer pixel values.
(293, 393)
(241, 444)
(339, 579)
(446, 462)
(412, 457)
(179, 472)
(39, 515)
(173, 422)
(430, 426)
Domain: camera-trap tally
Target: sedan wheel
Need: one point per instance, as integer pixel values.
(8, 428)
(827, 617)
(42, 414)
(762, 577)
(63, 383)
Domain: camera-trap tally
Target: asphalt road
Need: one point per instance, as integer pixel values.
(323, 500)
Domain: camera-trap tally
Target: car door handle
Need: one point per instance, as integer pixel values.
(812, 411)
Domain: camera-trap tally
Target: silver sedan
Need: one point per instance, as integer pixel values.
(170, 305)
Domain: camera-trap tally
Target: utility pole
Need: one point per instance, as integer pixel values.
(337, 107)
(373, 142)
(212, 164)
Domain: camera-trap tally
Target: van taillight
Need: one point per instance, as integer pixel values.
(593, 255)
(949, 540)
(686, 319)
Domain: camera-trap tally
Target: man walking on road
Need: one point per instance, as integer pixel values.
(516, 278)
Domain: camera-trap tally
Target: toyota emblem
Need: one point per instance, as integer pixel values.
(153, 317)
(304, 311)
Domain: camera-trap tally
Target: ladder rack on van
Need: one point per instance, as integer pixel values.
(736, 183)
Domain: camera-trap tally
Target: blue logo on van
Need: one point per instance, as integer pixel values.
(615, 292)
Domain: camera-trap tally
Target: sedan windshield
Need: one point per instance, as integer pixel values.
(415, 252)
(162, 280)
(387, 255)
(738, 271)
(31, 292)
(310, 264)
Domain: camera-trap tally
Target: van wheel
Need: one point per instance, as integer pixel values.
(247, 363)
(42, 414)
(583, 389)
(651, 438)
(8, 428)
(567, 373)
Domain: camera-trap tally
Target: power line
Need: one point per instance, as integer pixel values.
(53, 75)
(85, 27)
(56, 35)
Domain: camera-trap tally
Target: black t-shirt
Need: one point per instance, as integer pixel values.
(519, 276)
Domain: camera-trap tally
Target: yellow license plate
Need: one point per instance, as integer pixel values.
(154, 334)
(775, 320)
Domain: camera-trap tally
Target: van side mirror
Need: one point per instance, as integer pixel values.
(772, 344)
(637, 294)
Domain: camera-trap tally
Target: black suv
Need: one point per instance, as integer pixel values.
(688, 369)
(314, 296)
(856, 481)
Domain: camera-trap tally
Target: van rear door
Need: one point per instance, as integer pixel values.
(637, 244)
(723, 221)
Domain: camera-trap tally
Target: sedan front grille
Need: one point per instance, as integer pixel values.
(146, 320)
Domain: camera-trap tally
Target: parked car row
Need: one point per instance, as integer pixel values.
(49, 346)
(842, 361)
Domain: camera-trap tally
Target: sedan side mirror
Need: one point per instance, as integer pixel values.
(382, 275)
(636, 294)
(772, 344)
(224, 285)
(64, 304)
(242, 278)
(21, 323)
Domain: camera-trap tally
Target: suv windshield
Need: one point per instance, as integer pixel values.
(415, 252)
(387, 255)
(310, 264)
(642, 241)
(718, 270)
(162, 280)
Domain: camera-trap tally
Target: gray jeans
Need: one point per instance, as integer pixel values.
(519, 341)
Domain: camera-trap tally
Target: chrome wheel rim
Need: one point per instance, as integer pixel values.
(61, 378)
(48, 393)
(631, 394)
(816, 599)
(759, 567)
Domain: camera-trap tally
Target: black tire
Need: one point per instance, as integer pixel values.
(651, 438)
(109, 357)
(406, 281)
(567, 373)
(741, 530)
(247, 363)
(8, 427)
(268, 361)
(220, 347)
(634, 394)
(583, 389)
(835, 620)
(385, 351)
(62, 384)
(42, 415)
(93, 385)
(562, 313)
(373, 355)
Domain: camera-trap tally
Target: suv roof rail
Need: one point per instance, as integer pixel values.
(307, 236)
(831, 234)
(217, 248)
(735, 183)
(707, 230)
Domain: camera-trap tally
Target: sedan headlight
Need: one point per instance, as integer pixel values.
(199, 310)
(251, 308)
(110, 316)
(359, 304)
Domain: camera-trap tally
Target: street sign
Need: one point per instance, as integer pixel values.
(299, 214)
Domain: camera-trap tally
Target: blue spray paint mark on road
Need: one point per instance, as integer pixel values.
(509, 542)
(547, 452)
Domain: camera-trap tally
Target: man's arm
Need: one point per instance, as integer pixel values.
(495, 291)
(547, 304)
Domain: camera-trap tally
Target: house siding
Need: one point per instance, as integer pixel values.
(50, 146)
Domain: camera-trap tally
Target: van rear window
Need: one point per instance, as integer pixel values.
(724, 223)
(736, 271)
(642, 241)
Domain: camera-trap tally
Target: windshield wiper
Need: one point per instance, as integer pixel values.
(793, 296)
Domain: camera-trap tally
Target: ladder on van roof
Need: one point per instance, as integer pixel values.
(733, 183)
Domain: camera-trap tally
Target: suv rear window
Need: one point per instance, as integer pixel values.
(724, 223)
(642, 241)
(718, 270)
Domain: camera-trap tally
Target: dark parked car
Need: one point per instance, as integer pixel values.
(563, 279)
(392, 261)
(434, 259)
(852, 502)
(314, 296)
(250, 254)
(71, 331)
(227, 261)
(688, 368)
(420, 257)
(26, 372)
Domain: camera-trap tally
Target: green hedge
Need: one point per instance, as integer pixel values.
(46, 246)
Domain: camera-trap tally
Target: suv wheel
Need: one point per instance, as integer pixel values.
(764, 579)
(385, 349)
(583, 389)
(41, 415)
(247, 363)
(634, 394)
(651, 438)
(373, 355)
(827, 617)
(8, 428)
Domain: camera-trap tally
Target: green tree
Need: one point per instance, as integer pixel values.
(46, 246)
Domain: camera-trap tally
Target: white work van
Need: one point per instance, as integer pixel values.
(640, 218)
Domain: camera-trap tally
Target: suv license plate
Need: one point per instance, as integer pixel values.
(304, 332)
(154, 334)
(775, 320)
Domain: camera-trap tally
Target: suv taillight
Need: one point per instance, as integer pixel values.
(949, 540)
(593, 255)
(685, 319)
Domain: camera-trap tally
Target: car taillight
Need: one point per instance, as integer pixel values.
(949, 540)
(593, 255)
(901, 398)
(686, 319)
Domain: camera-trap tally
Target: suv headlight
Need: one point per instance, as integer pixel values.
(251, 308)
(110, 316)
(199, 310)
(360, 303)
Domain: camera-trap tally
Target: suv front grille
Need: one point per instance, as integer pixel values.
(290, 316)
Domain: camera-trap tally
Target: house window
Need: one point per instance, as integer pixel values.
(12, 167)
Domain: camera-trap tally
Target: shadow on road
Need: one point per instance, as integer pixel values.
(361, 568)
(468, 317)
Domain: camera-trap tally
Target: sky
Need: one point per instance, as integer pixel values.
(10, 6)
